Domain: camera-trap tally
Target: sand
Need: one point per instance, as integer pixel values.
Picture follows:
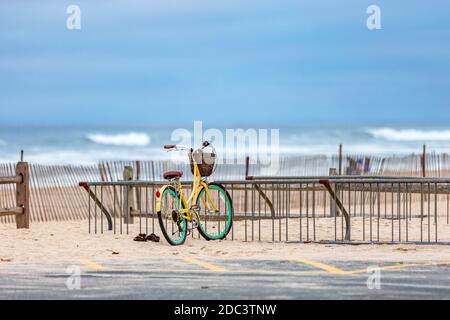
(59, 242)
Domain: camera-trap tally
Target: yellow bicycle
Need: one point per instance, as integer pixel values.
(208, 207)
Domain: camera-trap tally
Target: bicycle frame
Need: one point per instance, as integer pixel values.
(185, 204)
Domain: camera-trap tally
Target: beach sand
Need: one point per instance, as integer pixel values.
(59, 242)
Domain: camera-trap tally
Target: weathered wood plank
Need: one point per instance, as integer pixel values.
(11, 211)
(8, 180)
(23, 196)
(128, 196)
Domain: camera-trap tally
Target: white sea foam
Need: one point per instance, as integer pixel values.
(89, 156)
(122, 139)
(410, 134)
(85, 156)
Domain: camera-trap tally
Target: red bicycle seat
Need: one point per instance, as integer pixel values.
(172, 174)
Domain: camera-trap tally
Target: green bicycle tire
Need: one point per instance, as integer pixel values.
(202, 227)
(182, 235)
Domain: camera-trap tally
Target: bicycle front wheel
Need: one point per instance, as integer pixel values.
(215, 212)
(173, 227)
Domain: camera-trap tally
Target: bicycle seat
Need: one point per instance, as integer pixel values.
(172, 174)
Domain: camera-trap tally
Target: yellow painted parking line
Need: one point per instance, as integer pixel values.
(402, 266)
(319, 268)
(205, 265)
(325, 267)
(277, 272)
(95, 266)
(394, 267)
(333, 270)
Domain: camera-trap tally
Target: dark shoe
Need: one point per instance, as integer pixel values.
(140, 237)
(153, 237)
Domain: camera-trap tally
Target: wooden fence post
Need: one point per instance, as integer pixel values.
(128, 196)
(138, 190)
(424, 161)
(23, 196)
(247, 166)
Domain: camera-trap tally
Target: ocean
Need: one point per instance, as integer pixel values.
(91, 144)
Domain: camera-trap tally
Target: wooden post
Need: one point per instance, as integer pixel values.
(424, 161)
(128, 196)
(23, 196)
(247, 166)
(138, 190)
(340, 159)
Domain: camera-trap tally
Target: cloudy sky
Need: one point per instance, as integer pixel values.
(225, 62)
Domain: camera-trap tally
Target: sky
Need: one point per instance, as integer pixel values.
(226, 62)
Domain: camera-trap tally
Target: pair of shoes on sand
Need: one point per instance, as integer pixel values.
(143, 237)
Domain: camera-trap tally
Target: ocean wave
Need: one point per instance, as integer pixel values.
(93, 154)
(410, 134)
(86, 156)
(123, 139)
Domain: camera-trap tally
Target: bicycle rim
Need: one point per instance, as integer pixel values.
(173, 228)
(214, 225)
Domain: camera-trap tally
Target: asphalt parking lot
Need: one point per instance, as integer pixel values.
(191, 278)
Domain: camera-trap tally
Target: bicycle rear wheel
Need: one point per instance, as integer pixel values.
(214, 224)
(172, 226)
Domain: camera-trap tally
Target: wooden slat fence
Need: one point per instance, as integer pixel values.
(56, 196)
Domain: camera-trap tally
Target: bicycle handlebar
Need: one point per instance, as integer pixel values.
(176, 147)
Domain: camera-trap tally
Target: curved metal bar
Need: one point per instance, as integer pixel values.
(266, 199)
(327, 185)
(99, 204)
